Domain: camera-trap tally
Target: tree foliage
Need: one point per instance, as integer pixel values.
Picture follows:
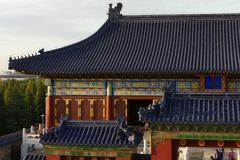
(21, 104)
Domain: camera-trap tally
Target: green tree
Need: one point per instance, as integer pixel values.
(29, 100)
(2, 88)
(39, 100)
(2, 114)
(8, 93)
(13, 107)
(21, 104)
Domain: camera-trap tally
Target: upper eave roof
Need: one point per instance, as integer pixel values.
(150, 46)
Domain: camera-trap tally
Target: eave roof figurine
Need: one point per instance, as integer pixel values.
(187, 65)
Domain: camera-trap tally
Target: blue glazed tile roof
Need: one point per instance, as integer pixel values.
(11, 138)
(93, 133)
(141, 157)
(201, 108)
(34, 156)
(145, 46)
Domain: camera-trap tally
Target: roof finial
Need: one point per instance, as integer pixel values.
(41, 51)
(115, 12)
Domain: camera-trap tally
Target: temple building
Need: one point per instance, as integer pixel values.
(175, 77)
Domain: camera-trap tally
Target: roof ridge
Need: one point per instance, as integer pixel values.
(86, 122)
(204, 16)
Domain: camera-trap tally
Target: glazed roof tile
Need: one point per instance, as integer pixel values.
(34, 156)
(93, 133)
(147, 46)
(200, 108)
(10, 138)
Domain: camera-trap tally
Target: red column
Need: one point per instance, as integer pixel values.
(49, 111)
(163, 150)
(52, 157)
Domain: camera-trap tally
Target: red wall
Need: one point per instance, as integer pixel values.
(163, 150)
(52, 157)
(104, 108)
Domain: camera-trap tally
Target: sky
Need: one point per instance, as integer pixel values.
(29, 25)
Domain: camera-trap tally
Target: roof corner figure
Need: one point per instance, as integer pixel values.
(114, 13)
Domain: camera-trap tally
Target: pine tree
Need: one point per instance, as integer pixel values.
(21, 104)
(13, 107)
(2, 114)
(39, 100)
(29, 100)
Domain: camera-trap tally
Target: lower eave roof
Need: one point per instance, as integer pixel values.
(93, 134)
(194, 109)
(34, 156)
(10, 138)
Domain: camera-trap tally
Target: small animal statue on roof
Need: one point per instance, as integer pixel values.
(114, 13)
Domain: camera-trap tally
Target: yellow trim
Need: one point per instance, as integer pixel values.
(126, 112)
(91, 101)
(103, 113)
(67, 105)
(91, 109)
(67, 101)
(56, 100)
(79, 101)
(67, 109)
(115, 101)
(126, 109)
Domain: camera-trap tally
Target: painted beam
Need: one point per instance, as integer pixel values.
(158, 136)
(87, 151)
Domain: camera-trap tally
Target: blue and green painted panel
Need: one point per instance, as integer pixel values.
(83, 92)
(188, 86)
(208, 136)
(138, 84)
(79, 84)
(88, 151)
(119, 87)
(137, 92)
(233, 86)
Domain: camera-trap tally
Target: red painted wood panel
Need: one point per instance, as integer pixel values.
(61, 109)
(53, 157)
(209, 143)
(98, 110)
(163, 150)
(120, 107)
(85, 110)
